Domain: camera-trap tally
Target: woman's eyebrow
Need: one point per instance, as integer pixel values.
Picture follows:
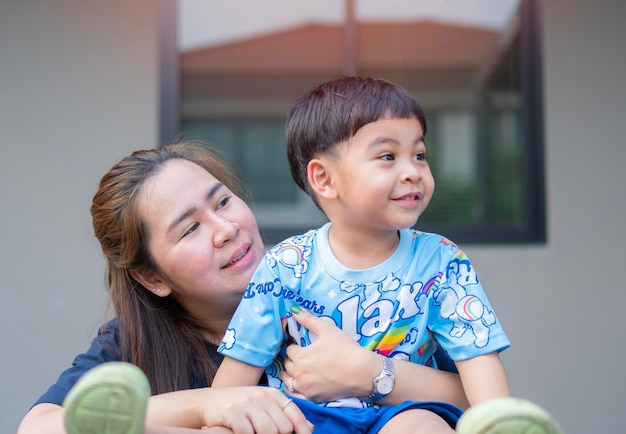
(191, 211)
(213, 191)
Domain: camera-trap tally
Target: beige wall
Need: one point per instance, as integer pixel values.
(78, 90)
(561, 303)
(78, 85)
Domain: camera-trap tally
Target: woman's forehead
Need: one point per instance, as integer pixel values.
(179, 173)
(178, 185)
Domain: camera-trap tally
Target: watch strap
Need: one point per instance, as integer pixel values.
(386, 371)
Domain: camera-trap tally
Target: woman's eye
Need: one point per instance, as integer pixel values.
(386, 157)
(223, 202)
(191, 229)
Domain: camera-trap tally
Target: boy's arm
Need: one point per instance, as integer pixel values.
(232, 373)
(483, 378)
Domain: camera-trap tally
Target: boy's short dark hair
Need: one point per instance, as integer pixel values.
(335, 111)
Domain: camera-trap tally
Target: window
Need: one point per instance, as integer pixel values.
(233, 71)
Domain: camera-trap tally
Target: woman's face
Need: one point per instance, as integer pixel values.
(204, 239)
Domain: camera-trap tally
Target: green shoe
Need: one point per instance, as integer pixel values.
(507, 416)
(109, 399)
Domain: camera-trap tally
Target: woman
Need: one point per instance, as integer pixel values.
(181, 246)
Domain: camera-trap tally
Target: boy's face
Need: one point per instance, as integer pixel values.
(381, 175)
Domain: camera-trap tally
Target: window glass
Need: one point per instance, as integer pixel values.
(243, 64)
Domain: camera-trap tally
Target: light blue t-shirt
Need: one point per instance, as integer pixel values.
(426, 292)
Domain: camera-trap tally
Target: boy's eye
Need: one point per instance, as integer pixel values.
(420, 156)
(386, 157)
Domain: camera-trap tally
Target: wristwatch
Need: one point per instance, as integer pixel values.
(383, 382)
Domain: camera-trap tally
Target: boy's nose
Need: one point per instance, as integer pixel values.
(411, 172)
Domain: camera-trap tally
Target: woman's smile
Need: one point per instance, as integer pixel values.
(241, 258)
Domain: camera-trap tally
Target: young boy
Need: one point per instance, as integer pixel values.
(356, 146)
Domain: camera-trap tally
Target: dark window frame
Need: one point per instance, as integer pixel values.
(533, 229)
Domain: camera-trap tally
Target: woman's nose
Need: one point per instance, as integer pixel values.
(225, 231)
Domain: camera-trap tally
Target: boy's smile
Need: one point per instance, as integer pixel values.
(381, 177)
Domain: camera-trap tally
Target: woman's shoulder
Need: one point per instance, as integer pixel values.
(104, 348)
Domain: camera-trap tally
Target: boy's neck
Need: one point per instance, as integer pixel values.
(358, 250)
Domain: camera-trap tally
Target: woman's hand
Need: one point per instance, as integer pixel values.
(245, 410)
(334, 366)
(249, 410)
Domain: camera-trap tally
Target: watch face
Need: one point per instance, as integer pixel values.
(385, 385)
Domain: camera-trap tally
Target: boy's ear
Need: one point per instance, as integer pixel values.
(152, 282)
(319, 175)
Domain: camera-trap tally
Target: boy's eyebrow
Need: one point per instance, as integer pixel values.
(384, 139)
(191, 211)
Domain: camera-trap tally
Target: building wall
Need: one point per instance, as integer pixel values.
(78, 90)
(561, 302)
(78, 85)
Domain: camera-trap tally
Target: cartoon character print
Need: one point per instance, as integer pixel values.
(378, 312)
(292, 254)
(228, 342)
(381, 314)
(466, 311)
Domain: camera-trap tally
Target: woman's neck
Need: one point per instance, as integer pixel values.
(214, 319)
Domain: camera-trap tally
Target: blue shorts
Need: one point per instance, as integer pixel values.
(370, 420)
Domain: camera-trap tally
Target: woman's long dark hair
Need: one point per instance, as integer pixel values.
(156, 333)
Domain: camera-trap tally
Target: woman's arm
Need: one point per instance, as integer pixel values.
(417, 382)
(244, 410)
(43, 418)
(48, 419)
(335, 366)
